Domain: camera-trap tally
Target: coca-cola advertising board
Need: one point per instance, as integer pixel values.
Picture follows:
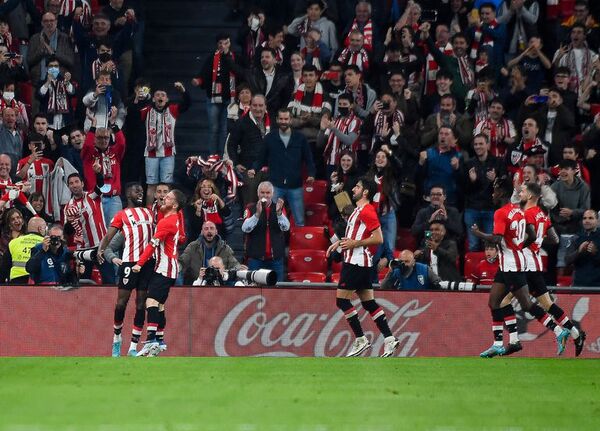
(210, 321)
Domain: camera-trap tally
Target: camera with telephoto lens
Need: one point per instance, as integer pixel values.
(86, 254)
(397, 264)
(212, 277)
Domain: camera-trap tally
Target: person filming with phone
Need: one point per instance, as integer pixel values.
(437, 209)
(439, 252)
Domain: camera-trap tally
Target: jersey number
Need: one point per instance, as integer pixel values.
(126, 271)
(519, 228)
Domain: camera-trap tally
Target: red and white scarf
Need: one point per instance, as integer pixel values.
(97, 68)
(214, 163)
(356, 58)
(278, 52)
(382, 120)
(253, 40)
(217, 87)
(477, 39)
(266, 121)
(586, 64)
(58, 102)
(317, 103)
(72, 214)
(67, 7)
(367, 33)
(303, 26)
(163, 123)
(467, 75)
(316, 56)
(498, 131)
(359, 97)
(431, 68)
(335, 146)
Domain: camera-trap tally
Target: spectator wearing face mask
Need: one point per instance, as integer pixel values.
(8, 100)
(54, 95)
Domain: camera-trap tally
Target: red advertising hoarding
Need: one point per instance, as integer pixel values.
(40, 321)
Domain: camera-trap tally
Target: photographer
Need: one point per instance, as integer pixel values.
(214, 274)
(51, 261)
(406, 273)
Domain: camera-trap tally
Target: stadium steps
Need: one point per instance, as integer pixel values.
(180, 34)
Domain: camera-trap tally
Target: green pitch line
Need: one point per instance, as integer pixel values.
(320, 394)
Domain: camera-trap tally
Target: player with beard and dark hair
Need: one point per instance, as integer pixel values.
(163, 246)
(511, 235)
(362, 231)
(529, 196)
(137, 225)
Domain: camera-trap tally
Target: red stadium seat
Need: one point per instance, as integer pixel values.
(564, 281)
(308, 237)
(335, 277)
(336, 266)
(472, 259)
(307, 261)
(383, 273)
(315, 215)
(315, 193)
(307, 277)
(405, 240)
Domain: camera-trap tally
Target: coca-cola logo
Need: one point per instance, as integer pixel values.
(250, 328)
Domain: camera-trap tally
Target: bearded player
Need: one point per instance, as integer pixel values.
(137, 225)
(362, 231)
(535, 217)
(511, 235)
(163, 246)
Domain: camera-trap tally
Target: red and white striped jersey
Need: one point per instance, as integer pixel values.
(509, 221)
(541, 223)
(137, 225)
(158, 216)
(164, 247)
(87, 213)
(361, 223)
(38, 176)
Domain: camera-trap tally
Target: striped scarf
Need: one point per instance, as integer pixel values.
(97, 68)
(586, 64)
(498, 131)
(431, 68)
(477, 39)
(466, 71)
(367, 33)
(67, 7)
(316, 56)
(381, 120)
(214, 163)
(217, 87)
(253, 40)
(58, 98)
(335, 146)
(359, 59)
(317, 103)
(278, 52)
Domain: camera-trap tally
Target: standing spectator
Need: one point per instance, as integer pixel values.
(478, 176)
(534, 62)
(499, 130)
(11, 69)
(297, 64)
(487, 268)
(71, 151)
(406, 100)
(333, 82)
(561, 80)
(584, 252)
(135, 130)
(8, 100)
(364, 96)
(19, 250)
(341, 180)
(315, 52)
(12, 226)
(440, 252)
(160, 120)
(573, 199)
(582, 15)
(437, 210)
(514, 94)
(38, 203)
(384, 124)
(275, 42)
(363, 23)
(431, 103)
(11, 142)
(36, 169)
(97, 150)
(355, 53)
(441, 44)
(55, 94)
(577, 56)
(314, 19)
(516, 154)
(286, 152)
(245, 145)
(570, 152)
(440, 164)
(252, 35)
(521, 19)
(238, 107)
(487, 34)
(478, 98)
(207, 205)
(265, 244)
(105, 62)
(218, 79)
(50, 42)
(532, 174)
(101, 100)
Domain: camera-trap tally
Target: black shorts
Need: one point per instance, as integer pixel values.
(512, 280)
(536, 283)
(354, 277)
(129, 280)
(159, 287)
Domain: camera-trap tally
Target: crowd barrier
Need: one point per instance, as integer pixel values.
(280, 321)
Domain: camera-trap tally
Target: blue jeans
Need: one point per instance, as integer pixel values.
(295, 199)
(160, 170)
(275, 265)
(389, 228)
(484, 220)
(217, 126)
(110, 206)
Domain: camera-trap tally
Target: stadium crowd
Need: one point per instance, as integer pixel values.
(433, 100)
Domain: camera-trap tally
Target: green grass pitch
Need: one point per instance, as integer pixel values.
(319, 394)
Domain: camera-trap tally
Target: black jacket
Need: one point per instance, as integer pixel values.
(256, 240)
(245, 143)
(478, 194)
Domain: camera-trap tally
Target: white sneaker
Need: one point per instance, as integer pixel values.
(360, 345)
(149, 349)
(390, 344)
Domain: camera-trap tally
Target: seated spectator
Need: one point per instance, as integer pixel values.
(573, 199)
(531, 173)
(487, 268)
(583, 253)
(11, 68)
(101, 100)
(568, 56)
(51, 261)
(199, 252)
(407, 273)
(54, 95)
(315, 52)
(439, 252)
(8, 100)
(499, 130)
(364, 96)
(11, 142)
(478, 176)
(297, 64)
(269, 221)
(309, 104)
(441, 164)
(19, 250)
(207, 205)
(437, 210)
(314, 19)
(36, 169)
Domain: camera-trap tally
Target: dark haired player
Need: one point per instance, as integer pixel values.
(137, 225)
(163, 246)
(362, 231)
(511, 234)
(529, 196)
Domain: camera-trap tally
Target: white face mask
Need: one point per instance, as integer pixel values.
(254, 23)
(8, 95)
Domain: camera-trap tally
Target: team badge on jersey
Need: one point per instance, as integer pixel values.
(421, 280)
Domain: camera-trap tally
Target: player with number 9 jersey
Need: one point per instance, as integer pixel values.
(509, 222)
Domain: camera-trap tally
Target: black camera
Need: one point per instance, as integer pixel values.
(213, 277)
(385, 105)
(397, 264)
(55, 241)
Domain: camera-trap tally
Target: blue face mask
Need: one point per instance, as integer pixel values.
(53, 72)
